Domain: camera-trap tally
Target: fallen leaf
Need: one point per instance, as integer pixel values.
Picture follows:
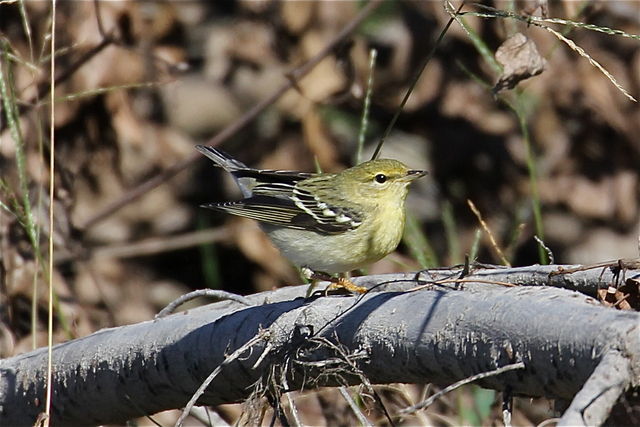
(520, 60)
(624, 297)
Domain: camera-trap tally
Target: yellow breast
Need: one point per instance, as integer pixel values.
(386, 232)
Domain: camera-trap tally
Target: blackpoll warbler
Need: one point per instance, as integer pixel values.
(327, 222)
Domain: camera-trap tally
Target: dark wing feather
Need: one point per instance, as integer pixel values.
(286, 211)
(274, 197)
(328, 216)
(268, 182)
(312, 212)
(266, 176)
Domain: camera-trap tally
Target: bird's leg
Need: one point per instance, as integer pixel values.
(314, 277)
(343, 282)
(340, 282)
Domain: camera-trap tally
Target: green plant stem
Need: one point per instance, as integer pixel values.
(209, 259)
(364, 120)
(536, 20)
(9, 103)
(475, 245)
(478, 43)
(11, 115)
(518, 109)
(533, 177)
(413, 83)
(451, 232)
(418, 244)
(25, 212)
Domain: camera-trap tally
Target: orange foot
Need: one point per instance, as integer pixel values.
(344, 283)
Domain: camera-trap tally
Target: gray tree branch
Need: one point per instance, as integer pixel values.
(593, 403)
(442, 333)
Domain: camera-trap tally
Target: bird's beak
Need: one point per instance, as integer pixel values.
(415, 174)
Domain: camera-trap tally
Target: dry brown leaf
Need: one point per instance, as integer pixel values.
(326, 78)
(198, 106)
(599, 94)
(589, 198)
(427, 88)
(534, 6)
(469, 100)
(257, 247)
(152, 20)
(624, 297)
(598, 243)
(318, 140)
(395, 38)
(290, 154)
(334, 15)
(97, 281)
(552, 135)
(134, 305)
(256, 6)
(562, 227)
(297, 15)
(520, 59)
(625, 190)
(610, 198)
(7, 341)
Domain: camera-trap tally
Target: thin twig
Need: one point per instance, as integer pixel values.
(429, 401)
(538, 22)
(365, 380)
(262, 335)
(546, 248)
(445, 281)
(354, 407)
(67, 73)
(52, 126)
(135, 404)
(507, 407)
(96, 6)
(488, 282)
(146, 247)
(549, 421)
(592, 61)
(210, 293)
(626, 264)
(487, 230)
(294, 410)
(233, 128)
(533, 19)
(208, 417)
(413, 83)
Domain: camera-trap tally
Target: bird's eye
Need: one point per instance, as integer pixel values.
(381, 178)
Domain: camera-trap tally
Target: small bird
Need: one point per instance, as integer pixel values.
(325, 223)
